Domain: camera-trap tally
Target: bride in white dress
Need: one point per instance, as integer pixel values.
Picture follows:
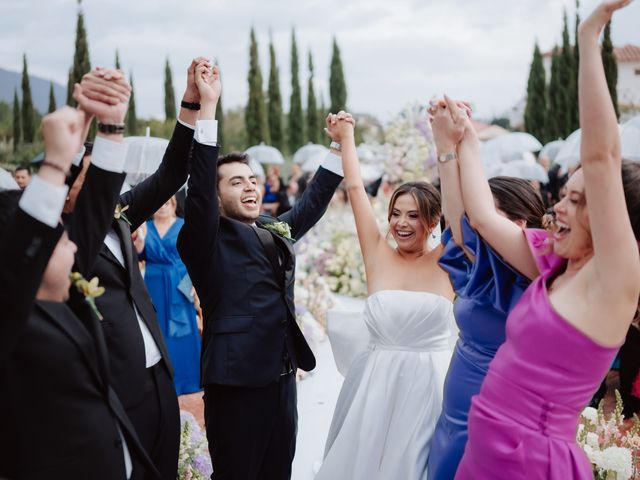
(392, 394)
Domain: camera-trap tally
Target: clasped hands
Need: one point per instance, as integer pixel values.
(450, 121)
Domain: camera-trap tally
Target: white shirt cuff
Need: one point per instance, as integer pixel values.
(109, 155)
(206, 132)
(188, 125)
(333, 163)
(78, 158)
(44, 201)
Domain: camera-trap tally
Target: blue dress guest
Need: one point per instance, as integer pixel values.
(170, 289)
(487, 289)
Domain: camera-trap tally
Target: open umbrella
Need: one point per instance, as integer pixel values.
(257, 169)
(551, 149)
(569, 154)
(520, 169)
(492, 131)
(144, 155)
(510, 146)
(312, 163)
(6, 181)
(630, 139)
(309, 150)
(265, 154)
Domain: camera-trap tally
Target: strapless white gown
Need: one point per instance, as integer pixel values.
(391, 397)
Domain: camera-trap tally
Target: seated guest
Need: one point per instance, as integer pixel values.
(22, 176)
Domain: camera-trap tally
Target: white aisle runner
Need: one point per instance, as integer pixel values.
(317, 396)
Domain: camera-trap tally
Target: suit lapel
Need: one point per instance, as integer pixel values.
(124, 234)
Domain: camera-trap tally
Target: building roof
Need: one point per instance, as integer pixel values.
(628, 53)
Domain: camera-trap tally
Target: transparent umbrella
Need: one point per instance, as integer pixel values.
(551, 149)
(265, 154)
(630, 139)
(257, 168)
(309, 150)
(144, 155)
(569, 154)
(509, 147)
(520, 169)
(6, 181)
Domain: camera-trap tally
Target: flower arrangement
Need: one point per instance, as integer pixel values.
(119, 213)
(279, 228)
(410, 150)
(611, 447)
(194, 462)
(90, 289)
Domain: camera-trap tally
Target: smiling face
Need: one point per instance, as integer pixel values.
(572, 239)
(168, 210)
(406, 226)
(238, 192)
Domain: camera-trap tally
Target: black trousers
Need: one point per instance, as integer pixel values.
(157, 422)
(252, 430)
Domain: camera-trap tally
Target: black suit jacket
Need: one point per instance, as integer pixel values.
(248, 307)
(125, 286)
(60, 417)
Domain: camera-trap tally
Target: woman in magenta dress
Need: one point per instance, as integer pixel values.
(565, 331)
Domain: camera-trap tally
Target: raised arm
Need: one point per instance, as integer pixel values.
(202, 211)
(148, 196)
(504, 236)
(341, 130)
(617, 269)
(447, 134)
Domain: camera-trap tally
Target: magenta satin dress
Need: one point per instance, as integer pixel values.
(523, 423)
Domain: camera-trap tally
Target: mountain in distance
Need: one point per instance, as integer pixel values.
(10, 80)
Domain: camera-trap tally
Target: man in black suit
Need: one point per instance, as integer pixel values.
(244, 275)
(60, 417)
(140, 368)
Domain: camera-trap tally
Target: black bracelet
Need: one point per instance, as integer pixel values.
(110, 128)
(190, 105)
(55, 166)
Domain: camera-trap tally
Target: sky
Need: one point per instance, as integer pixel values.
(393, 53)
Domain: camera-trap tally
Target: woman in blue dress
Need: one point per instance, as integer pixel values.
(486, 288)
(171, 291)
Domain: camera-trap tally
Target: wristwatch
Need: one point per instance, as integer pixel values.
(336, 146)
(445, 157)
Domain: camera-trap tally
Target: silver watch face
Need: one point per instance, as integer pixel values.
(445, 157)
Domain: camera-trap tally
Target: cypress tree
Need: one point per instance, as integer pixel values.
(117, 60)
(169, 94)
(220, 119)
(337, 86)
(52, 99)
(296, 122)
(28, 114)
(131, 123)
(322, 114)
(255, 114)
(534, 113)
(610, 67)
(81, 63)
(275, 102)
(567, 83)
(16, 120)
(576, 67)
(313, 132)
(554, 99)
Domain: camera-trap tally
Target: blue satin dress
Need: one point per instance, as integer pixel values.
(487, 289)
(164, 272)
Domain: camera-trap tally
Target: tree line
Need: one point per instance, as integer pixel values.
(551, 110)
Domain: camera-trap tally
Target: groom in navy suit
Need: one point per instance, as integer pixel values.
(242, 266)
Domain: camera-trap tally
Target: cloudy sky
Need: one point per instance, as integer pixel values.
(393, 53)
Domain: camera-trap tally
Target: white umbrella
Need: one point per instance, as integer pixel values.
(312, 163)
(370, 173)
(520, 169)
(630, 139)
(569, 155)
(551, 149)
(512, 144)
(6, 181)
(492, 131)
(265, 154)
(309, 150)
(144, 155)
(257, 169)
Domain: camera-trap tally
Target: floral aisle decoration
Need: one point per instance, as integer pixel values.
(409, 148)
(611, 446)
(194, 462)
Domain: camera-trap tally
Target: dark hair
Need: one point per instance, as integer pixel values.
(23, 167)
(8, 205)
(427, 198)
(631, 186)
(518, 200)
(232, 157)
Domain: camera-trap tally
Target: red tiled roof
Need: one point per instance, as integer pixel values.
(628, 53)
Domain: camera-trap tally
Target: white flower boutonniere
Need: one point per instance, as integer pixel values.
(280, 228)
(89, 289)
(119, 213)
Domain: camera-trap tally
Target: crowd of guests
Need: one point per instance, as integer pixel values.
(93, 354)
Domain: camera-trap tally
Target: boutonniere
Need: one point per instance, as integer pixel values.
(89, 289)
(119, 213)
(280, 228)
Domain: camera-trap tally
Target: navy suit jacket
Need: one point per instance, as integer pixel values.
(248, 307)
